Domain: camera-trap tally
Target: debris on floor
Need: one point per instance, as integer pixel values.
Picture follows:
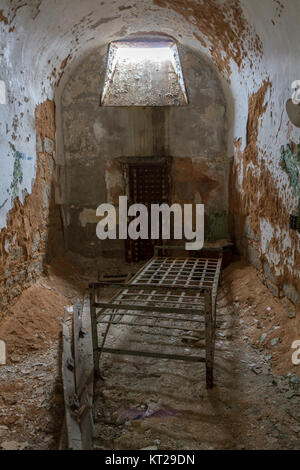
(31, 399)
(254, 404)
(146, 403)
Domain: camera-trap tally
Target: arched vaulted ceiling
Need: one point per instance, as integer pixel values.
(247, 41)
(254, 45)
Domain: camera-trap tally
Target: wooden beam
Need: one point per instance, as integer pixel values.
(94, 332)
(68, 376)
(84, 373)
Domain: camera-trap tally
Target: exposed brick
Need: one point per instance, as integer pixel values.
(22, 242)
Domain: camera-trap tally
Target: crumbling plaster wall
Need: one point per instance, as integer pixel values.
(94, 136)
(32, 224)
(254, 46)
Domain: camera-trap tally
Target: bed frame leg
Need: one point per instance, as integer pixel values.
(94, 333)
(209, 358)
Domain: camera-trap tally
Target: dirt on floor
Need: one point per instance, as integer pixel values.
(271, 324)
(144, 402)
(31, 399)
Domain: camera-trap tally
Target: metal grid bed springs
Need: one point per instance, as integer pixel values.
(173, 298)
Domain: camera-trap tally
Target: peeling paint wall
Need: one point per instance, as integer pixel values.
(253, 46)
(194, 135)
(290, 163)
(32, 226)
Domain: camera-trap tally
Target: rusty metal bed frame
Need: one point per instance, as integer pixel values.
(175, 294)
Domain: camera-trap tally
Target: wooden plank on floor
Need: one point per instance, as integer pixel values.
(86, 344)
(84, 374)
(68, 376)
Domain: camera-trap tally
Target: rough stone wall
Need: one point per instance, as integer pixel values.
(195, 135)
(25, 240)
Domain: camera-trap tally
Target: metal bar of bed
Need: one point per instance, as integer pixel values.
(183, 291)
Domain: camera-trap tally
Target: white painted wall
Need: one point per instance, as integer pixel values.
(2, 92)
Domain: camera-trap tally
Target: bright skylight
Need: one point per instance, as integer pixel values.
(144, 74)
(139, 54)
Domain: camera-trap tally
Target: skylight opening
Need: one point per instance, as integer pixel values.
(144, 73)
(139, 54)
